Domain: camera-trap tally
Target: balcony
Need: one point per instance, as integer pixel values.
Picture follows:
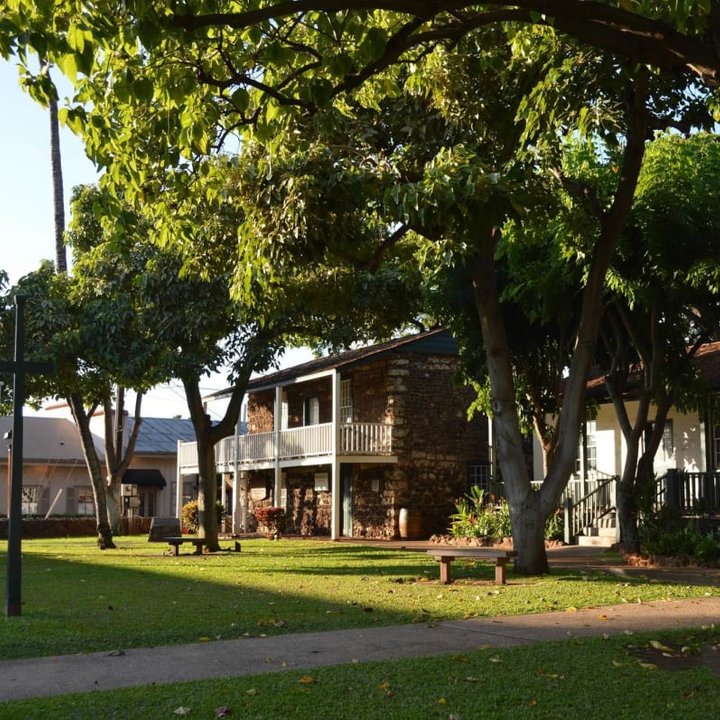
(296, 446)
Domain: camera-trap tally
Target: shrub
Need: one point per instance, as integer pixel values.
(190, 515)
(664, 533)
(477, 516)
(272, 519)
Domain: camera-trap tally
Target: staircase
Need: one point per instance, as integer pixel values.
(591, 519)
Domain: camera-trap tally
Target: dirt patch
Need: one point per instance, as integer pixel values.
(504, 544)
(674, 658)
(639, 560)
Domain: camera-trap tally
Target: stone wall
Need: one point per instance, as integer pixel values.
(432, 440)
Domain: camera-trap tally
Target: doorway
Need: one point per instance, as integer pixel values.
(346, 523)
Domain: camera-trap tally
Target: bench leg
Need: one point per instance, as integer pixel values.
(500, 571)
(198, 548)
(176, 549)
(445, 570)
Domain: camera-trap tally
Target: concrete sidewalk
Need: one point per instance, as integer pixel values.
(231, 658)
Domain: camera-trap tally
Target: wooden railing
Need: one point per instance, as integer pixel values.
(301, 442)
(585, 511)
(365, 439)
(690, 493)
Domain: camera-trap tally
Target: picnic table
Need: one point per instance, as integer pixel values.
(446, 555)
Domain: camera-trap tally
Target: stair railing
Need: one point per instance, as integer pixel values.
(587, 510)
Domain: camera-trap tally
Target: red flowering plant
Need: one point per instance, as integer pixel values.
(272, 519)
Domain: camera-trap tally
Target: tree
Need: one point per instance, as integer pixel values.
(663, 305)
(186, 92)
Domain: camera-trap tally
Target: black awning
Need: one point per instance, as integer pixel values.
(144, 478)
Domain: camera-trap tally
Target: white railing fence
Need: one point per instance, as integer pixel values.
(365, 439)
(359, 438)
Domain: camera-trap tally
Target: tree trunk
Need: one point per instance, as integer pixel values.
(627, 513)
(58, 196)
(118, 456)
(528, 526)
(525, 510)
(207, 492)
(82, 422)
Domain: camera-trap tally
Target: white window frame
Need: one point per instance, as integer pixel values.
(346, 403)
(30, 499)
(84, 506)
(311, 411)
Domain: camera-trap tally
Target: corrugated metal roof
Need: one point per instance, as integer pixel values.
(159, 436)
(45, 439)
(431, 342)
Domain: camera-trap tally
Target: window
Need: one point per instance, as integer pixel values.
(481, 475)
(587, 449)
(311, 411)
(284, 412)
(666, 451)
(85, 504)
(30, 498)
(716, 445)
(346, 406)
(147, 503)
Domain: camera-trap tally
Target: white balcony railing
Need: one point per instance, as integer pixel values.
(296, 443)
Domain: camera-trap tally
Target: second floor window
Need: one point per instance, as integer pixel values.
(346, 406)
(312, 411)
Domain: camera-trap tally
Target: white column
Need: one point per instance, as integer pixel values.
(336, 506)
(277, 422)
(178, 485)
(236, 484)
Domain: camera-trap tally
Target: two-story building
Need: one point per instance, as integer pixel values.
(347, 442)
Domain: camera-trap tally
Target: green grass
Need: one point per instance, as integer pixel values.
(78, 599)
(589, 679)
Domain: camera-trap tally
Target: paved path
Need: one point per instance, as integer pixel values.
(230, 658)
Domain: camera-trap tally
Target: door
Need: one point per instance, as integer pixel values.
(346, 473)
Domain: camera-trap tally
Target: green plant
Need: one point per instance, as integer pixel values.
(190, 515)
(664, 532)
(476, 517)
(555, 526)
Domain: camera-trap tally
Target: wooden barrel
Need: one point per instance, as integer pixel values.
(411, 524)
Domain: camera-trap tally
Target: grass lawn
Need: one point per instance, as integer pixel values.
(588, 679)
(79, 599)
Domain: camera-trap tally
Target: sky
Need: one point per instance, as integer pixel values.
(26, 207)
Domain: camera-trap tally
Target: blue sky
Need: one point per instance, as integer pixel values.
(26, 210)
(26, 206)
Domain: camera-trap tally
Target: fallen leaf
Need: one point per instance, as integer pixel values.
(602, 617)
(571, 609)
(617, 663)
(659, 646)
(307, 680)
(182, 711)
(223, 711)
(442, 701)
(496, 659)
(647, 665)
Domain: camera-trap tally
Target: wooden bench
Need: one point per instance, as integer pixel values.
(447, 554)
(176, 542)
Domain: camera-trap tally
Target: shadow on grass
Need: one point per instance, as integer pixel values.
(79, 599)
